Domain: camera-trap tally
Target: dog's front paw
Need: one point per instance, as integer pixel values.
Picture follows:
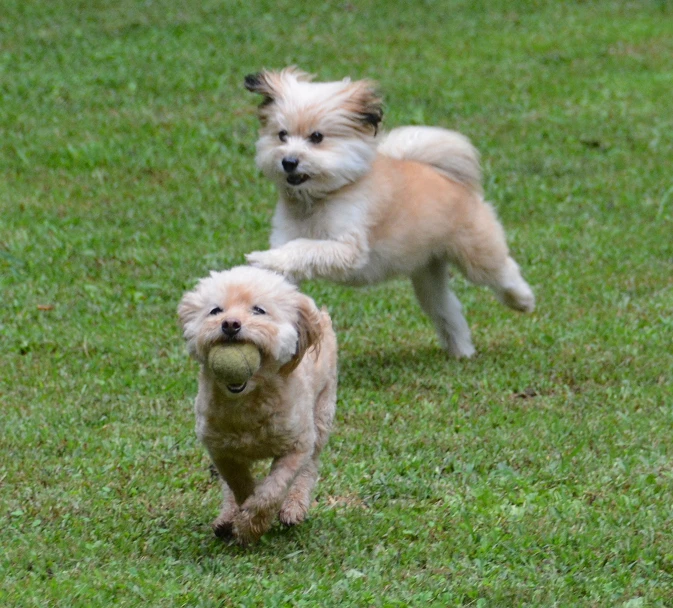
(275, 260)
(223, 528)
(223, 525)
(265, 259)
(249, 526)
(293, 512)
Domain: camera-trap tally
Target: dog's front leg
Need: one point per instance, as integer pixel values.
(240, 485)
(302, 259)
(259, 510)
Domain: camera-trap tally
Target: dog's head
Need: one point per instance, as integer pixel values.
(247, 304)
(316, 137)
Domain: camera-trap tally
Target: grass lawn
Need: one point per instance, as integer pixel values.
(540, 473)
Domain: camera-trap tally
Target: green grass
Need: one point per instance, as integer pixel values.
(538, 474)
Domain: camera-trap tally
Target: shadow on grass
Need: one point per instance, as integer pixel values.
(404, 366)
(280, 540)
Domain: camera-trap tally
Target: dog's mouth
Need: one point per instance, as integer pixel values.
(295, 179)
(236, 388)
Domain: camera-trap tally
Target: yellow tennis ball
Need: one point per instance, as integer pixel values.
(233, 364)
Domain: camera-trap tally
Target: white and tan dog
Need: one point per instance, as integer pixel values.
(360, 208)
(284, 412)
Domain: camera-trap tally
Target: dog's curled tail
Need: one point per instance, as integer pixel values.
(448, 152)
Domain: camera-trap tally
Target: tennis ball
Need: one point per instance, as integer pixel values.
(233, 364)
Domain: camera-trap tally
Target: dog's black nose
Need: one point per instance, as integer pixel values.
(231, 327)
(290, 163)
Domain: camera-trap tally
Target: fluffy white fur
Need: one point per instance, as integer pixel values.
(358, 207)
(284, 412)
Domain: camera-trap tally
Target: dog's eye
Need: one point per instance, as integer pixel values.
(215, 311)
(256, 310)
(282, 135)
(316, 137)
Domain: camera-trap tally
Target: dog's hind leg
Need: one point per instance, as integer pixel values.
(431, 285)
(510, 287)
(479, 249)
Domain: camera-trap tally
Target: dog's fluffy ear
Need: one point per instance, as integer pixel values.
(265, 83)
(189, 307)
(188, 315)
(309, 331)
(366, 103)
(269, 84)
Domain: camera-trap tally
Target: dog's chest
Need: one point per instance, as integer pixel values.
(263, 436)
(330, 220)
(262, 443)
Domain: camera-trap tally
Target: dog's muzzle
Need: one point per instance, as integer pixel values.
(295, 179)
(236, 388)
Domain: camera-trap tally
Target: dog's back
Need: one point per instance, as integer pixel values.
(448, 152)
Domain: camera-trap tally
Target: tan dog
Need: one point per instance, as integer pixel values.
(358, 208)
(284, 412)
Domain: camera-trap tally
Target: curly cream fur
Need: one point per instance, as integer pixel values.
(286, 410)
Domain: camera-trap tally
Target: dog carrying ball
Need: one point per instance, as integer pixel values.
(233, 364)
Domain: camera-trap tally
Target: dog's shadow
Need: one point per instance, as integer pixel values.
(378, 367)
(209, 550)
